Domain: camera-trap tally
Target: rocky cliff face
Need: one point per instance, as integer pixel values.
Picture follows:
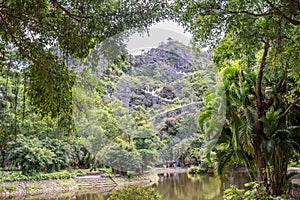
(156, 78)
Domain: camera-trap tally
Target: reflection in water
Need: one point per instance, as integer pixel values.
(172, 187)
(183, 187)
(95, 196)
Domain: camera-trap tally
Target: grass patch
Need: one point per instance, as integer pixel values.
(10, 176)
(2, 189)
(15, 175)
(10, 187)
(33, 187)
(66, 184)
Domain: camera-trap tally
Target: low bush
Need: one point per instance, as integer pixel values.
(2, 189)
(196, 170)
(33, 187)
(135, 192)
(80, 173)
(33, 155)
(11, 176)
(122, 160)
(60, 175)
(255, 192)
(130, 174)
(10, 187)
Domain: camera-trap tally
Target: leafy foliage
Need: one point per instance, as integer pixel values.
(122, 160)
(63, 153)
(51, 32)
(196, 170)
(252, 49)
(29, 154)
(135, 193)
(254, 192)
(11, 176)
(34, 156)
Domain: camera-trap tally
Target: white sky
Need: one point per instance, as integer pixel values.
(159, 32)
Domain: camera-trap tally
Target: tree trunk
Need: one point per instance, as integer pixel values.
(278, 176)
(258, 125)
(260, 160)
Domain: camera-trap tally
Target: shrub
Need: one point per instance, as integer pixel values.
(63, 153)
(10, 187)
(2, 189)
(121, 159)
(33, 155)
(80, 173)
(17, 176)
(135, 192)
(130, 174)
(196, 170)
(255, 192)
(33, 187)
(29, 154)
(60, 175)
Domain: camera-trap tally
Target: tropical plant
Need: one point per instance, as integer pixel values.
(135, 192)
(29, 155)
(254, 191)
(64, 30)
(33, 155)
(196, 170)
(256, 41)
(63, 153)
(149, 158)
(121, 159)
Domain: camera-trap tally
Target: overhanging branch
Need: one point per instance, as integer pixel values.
(249, 13)
(289, 108)
(71, 15)
(15, 42)
(280, 13)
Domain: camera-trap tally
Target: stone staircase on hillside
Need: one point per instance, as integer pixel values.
(94, 181)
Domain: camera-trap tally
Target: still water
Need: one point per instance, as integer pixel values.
(181, 187)
(185, 187)
(170, 187)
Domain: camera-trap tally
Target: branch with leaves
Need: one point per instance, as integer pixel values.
(289, 108)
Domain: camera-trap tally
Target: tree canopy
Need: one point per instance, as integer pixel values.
(31, 29)
(256, 48)
(254, 45)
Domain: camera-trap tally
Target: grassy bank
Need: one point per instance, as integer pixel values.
(13, 183)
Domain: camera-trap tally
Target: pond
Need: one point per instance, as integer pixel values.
(180, 186)
(195, 187)
(171, 186)
(183, 187)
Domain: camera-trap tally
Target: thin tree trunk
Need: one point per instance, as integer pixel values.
(278, 178)
(258, 126)
(260, 160)
(16, 102)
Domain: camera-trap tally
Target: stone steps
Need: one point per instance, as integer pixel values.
(88, 182)
(92, 185)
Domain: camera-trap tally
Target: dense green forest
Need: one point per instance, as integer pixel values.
(149, 105)
(149, 124)
(72, 97)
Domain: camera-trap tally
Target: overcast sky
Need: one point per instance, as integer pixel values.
(158, 33)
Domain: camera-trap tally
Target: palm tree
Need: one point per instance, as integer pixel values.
(236, 144)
